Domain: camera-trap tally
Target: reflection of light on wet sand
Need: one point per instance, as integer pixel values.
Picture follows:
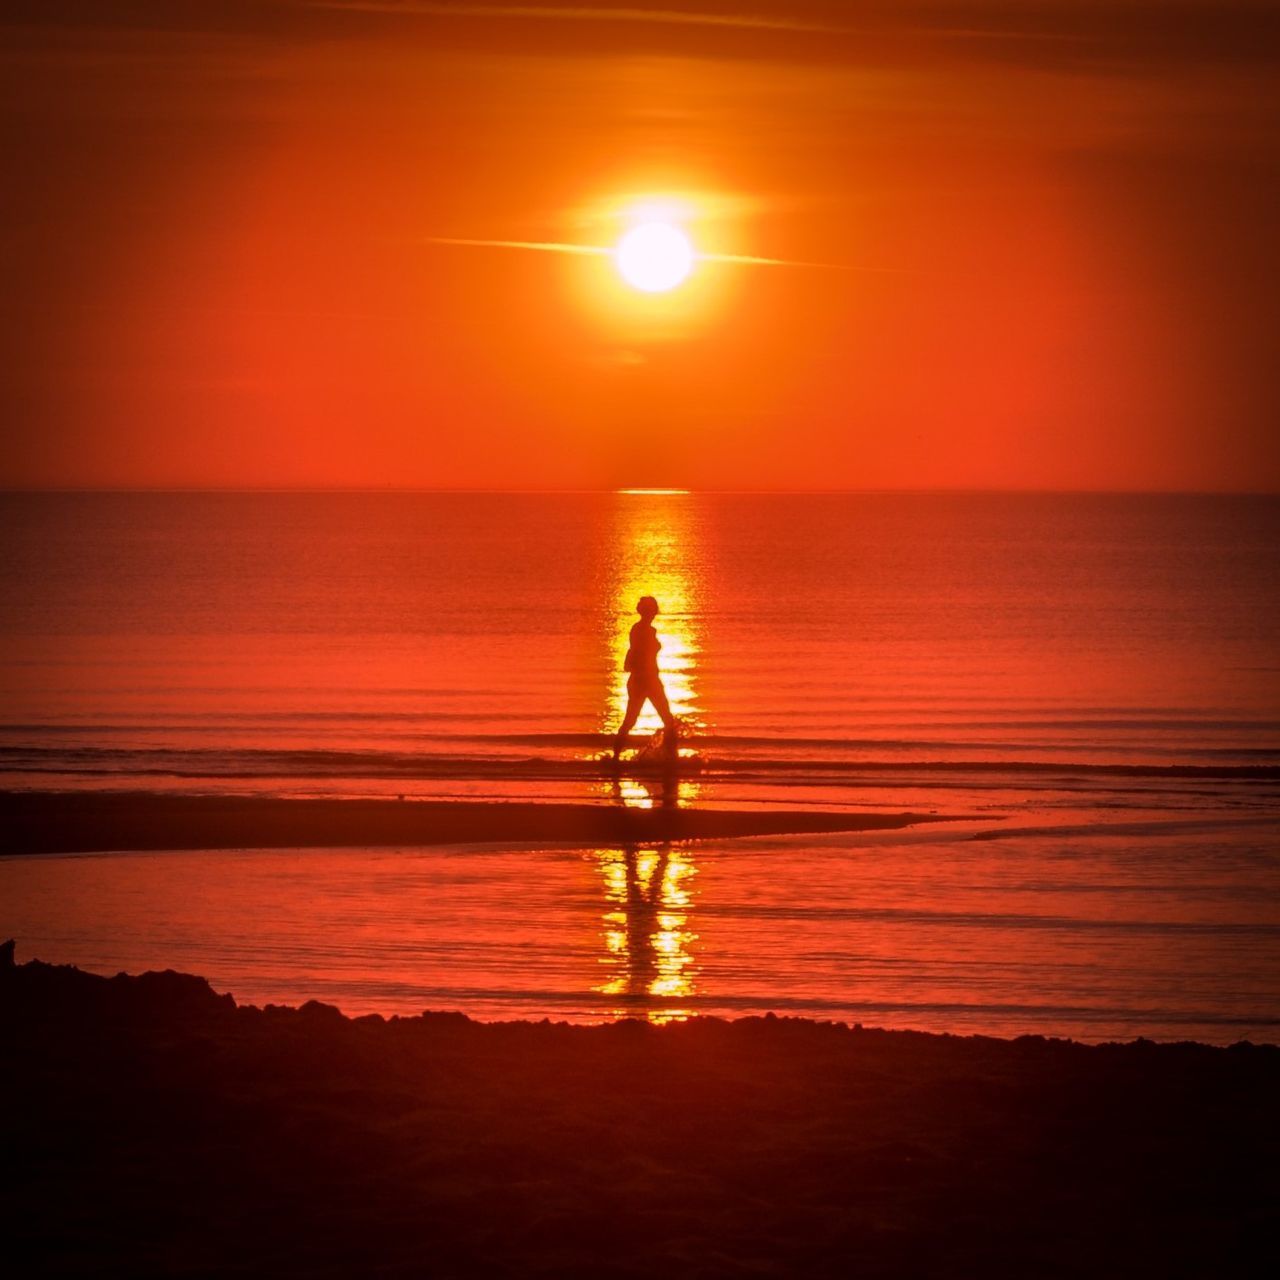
(646, 935)
(647, 957)
(667, 790)
(634, 794)
(650, 557)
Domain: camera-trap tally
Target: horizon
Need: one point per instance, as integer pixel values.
(639, 491)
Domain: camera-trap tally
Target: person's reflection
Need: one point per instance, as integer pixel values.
(645, 929)
(663, 790)
(642, 906)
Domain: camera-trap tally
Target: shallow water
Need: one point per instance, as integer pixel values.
(1170, 931)
(1097, 673)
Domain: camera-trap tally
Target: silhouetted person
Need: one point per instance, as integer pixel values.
(644, 683)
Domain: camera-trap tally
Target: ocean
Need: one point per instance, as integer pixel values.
(1088, 684)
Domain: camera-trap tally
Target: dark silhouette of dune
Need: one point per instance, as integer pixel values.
(152, 1127)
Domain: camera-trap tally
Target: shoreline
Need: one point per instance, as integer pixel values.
(313, 1144)
(33, 822)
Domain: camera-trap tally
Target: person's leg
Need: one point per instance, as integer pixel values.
(671, 729)
(635, 700)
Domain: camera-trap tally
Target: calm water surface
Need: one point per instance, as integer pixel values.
(1098, 675)
(1170, 933)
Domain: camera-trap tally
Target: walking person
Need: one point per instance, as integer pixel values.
(644, 683)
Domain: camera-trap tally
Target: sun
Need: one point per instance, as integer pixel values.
(654, 257)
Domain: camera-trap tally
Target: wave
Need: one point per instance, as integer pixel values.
(349, 726)
(570, 1002)
(252, 762)
(495, 1004)
(993, 919)
(448, 725)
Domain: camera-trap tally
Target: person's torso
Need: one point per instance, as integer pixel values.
(642, 656)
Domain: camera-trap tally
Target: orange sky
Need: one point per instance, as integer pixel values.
(1044, 233)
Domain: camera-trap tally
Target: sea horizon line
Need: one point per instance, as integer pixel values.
(639, 490)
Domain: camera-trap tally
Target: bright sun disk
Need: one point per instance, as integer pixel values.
(654, 257)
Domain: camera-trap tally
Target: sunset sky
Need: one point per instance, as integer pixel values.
(1013, 244)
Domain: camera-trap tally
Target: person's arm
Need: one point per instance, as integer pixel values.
(652, 644)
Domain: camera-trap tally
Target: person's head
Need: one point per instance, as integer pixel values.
(647, 608)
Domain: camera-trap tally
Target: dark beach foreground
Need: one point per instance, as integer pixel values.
(152, 1127)
(96, 821)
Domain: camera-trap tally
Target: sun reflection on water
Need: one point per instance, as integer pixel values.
(647, 957)
(653, 554)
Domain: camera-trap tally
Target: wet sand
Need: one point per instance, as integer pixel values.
(155, 1128)
(87, 822)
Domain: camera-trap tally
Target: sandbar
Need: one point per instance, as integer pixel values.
(102, 821)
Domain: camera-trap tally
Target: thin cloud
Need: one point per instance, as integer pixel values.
(539, 246)
(1035, 31)
(596, 250)
(576, 13)
(1130, 35)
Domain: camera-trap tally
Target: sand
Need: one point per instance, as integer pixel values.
(152, 1127)
(97, 821)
